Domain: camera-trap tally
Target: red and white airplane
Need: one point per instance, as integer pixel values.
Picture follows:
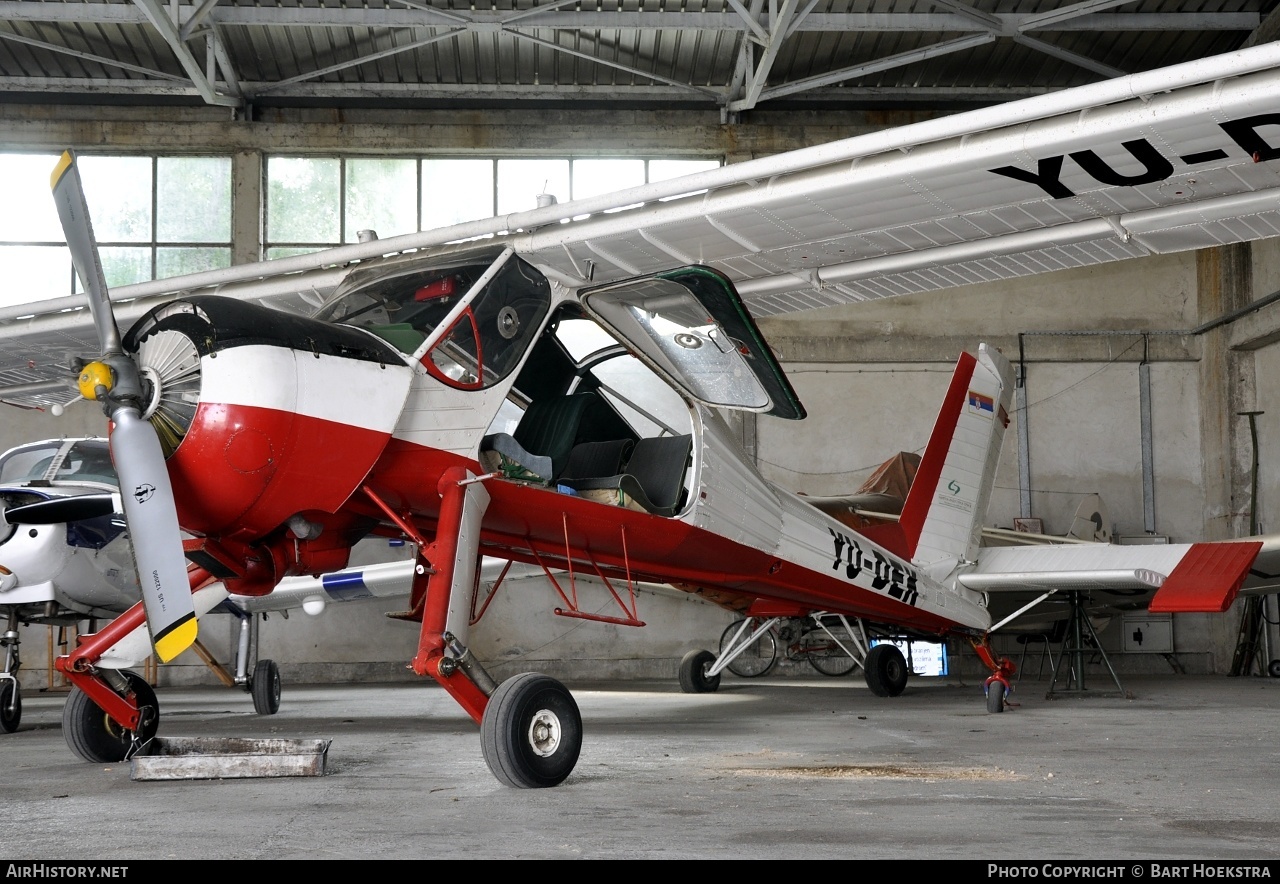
(547, 388)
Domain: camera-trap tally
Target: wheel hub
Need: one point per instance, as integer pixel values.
(544, 733)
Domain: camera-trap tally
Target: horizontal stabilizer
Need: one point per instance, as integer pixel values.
(1207, 578)
(1115, 579)
(1175, 577)
(1264, 573)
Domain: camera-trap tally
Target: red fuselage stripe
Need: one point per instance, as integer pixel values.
(522, 520)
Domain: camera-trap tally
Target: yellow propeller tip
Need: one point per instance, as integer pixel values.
(177, 638)
(64, 163)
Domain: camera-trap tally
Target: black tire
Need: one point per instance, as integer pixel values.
(693, 673)
(265, 686)
(1274, 669)
(531, 732)
(95, 736)
(758, 658)
(10, 707)
(886, 671)
(995, 697)
(826, 655)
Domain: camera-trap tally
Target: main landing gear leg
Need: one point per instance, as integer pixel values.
(999, 685)
(109, 712)
(530, 727)
(10, 691)
(112, 712)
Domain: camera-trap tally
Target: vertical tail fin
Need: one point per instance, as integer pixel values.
(942, 517)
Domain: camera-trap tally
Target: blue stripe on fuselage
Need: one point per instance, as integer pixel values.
(345, 587)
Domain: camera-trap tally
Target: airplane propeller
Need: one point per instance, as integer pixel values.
(115, 380)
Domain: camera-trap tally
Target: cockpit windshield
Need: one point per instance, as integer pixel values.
(486, 337)
(85, 460)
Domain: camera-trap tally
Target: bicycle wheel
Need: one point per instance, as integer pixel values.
(824, 654)
(758, 657)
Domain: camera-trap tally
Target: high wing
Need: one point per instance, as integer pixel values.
(1164, 161)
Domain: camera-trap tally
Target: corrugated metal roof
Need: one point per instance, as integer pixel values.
(714, 53)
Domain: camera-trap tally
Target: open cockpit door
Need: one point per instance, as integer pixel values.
(690, 326)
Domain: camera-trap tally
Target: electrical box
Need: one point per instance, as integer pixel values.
(1146, 633)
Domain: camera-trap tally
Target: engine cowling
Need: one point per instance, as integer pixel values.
(264, 415)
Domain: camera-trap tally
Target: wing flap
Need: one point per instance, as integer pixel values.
(1207, 579)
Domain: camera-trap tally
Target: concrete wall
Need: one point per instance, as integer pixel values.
(871, 376)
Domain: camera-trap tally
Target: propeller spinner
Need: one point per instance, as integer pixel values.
(146, 493)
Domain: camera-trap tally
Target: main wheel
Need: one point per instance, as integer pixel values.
(825, 654)
(266, 687)
(1274, 669)
(95, 736)
(693, 673)
(995, 696)
(10, 707)
(531, 732)
(757, 658)
(886, 671)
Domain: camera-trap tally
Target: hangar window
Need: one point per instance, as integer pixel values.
(152, 217)
(160, 216)
(319, 202)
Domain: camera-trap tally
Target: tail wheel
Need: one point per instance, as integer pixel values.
(10, 707)
(996, 692)
(693, 673)
(95, 736)
(886, 670)
(531, 732)
(266, 687)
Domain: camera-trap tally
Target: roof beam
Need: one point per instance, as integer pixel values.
(354, 62)
(499, 92)
(881, 64)
(595, 59)
(552, 17)
(1068, 56)
(160, 20)
(778, 30)
(89, 56)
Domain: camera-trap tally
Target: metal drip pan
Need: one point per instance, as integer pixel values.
(188, 758)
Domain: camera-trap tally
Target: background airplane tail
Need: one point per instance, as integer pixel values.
(941, 520)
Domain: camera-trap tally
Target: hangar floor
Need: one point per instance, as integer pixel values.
(1185, 767)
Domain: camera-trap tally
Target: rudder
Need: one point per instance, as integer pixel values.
(941, 520)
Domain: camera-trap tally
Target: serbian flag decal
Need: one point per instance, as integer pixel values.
(983, 405)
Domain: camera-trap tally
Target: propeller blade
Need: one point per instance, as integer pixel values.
(145, 489)
(152, 517)
(73, 210)
(62, 509)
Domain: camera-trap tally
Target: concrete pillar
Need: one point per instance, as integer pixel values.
(246, 207)
(1224, 282)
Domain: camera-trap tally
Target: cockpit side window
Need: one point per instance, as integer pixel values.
(484, 343)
